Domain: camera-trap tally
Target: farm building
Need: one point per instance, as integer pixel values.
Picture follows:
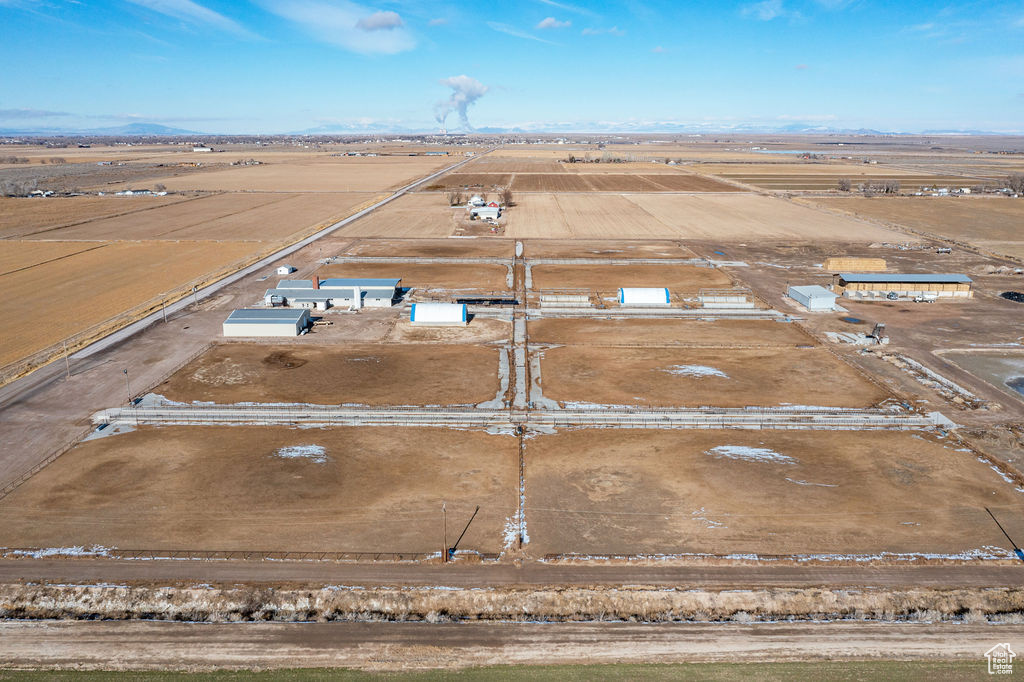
(643, 296)
(869, 286)
(285, 269)
(262, 322)
(813, 297)
(439, 314)
(485, 212)
(323, 294)
(846, 264)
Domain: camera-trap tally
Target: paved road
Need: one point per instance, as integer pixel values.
(527, 574)
(405, 646)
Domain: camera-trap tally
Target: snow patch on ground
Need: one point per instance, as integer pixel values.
(315, 453)
(749, 454)
(95, 550)
(701, 515)
(822, 485)
(695, 371)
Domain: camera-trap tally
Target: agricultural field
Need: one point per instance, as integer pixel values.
(668, 332)
(462, 277)
(679, 279)
(600, 491)
(568, 216)
(581, 182)
(822, 176)
(95, 282)
(412, 215)
(992, 223)
(270, 489)
(440, 248)
(379, 374)
(330, 174)
(696, 377)
(609, 248)
(21, 217)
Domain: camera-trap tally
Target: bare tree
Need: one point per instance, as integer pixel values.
(891, 187)
(58, 160)
(506, 196)
(160, 187)
(484, 195)
(455, 198)
(844, 184)
(1016, 183)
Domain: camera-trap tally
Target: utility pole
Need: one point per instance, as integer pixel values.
(444, 550)
(195, 296)
(67, 363)
(127, 385)
(163, 308)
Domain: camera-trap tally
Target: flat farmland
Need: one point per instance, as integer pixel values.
(695, 377)
(325, 174)
(383, 374)
(667, 332)
(483, 181)
(797, 176)
(678, 279)
(594, 216)
(237, 217)
(605, 249)
(68, 295)
(550, 182)
(994, 223)
(605, 491)
(21, 217)
(17, 255)
(237, 488)
(740, 217)
(496, 164)
(413, 216)
(436, 248)
(426, 276)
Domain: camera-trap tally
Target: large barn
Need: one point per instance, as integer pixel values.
(643, 296)
(263, 322)
(439, 314)
(872, 285)
(323, 294)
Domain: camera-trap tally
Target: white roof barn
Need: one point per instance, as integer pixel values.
(439, 314)
(644, 296)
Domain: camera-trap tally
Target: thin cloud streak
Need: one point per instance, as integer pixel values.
(512, 31)
(193, 13)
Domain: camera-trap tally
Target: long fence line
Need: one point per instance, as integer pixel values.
(234, 555)
(39, 466)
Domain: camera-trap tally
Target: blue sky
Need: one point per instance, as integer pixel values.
(267, 66)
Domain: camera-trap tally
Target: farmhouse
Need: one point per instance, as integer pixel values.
(813, 297)
(323, 294)
(868, 286)
(439, 314)
(262, 322)
(644, 296)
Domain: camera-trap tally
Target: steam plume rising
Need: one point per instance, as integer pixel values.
(465, 91)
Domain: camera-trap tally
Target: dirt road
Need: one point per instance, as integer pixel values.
(409, 646)
(494, 575)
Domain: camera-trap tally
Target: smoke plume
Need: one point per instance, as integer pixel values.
(465, 91)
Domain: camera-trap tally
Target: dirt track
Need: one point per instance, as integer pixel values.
(407, 646)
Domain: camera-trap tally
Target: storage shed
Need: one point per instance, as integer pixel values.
(439, 314)
(266, 322)
(813, 297)
(643, 296)
(285, 269)
(485, 212)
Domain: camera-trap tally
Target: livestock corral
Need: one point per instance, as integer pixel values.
(722, 423)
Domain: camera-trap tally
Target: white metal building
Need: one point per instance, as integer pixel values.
(323, 294)
(813, 297)
(485, 212)
(285, 270)
(439, 314)
(264, 322)
(643, 296)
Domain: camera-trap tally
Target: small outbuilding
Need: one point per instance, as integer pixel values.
(644, 296)
(439, 314)
(266, 322)
(285, 269)
(813, 297)
(485, 212)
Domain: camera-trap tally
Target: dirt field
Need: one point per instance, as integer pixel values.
(422, 374)
(664, 332)
(990, 222)
(606, 249)
(691, 377)
(680, 279)
(16, 255)
(484, 182)
(413, 215)
(220, 488)
(52, 300)
(439, 276)
(322, 174)
(243, 217)
(567, 216)
(822, 176)
(606, 491)
(744, 216)
(21, 217)
(441, 248)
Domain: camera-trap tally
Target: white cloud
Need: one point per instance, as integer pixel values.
(613, 31)
(346, 24)
(659, 50)
(193, 13)
(765, 10)
(513, 31)
(380, 21)
(551, 22)
(440, 21)
(569, 8)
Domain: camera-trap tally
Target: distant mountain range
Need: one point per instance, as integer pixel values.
(537, 128)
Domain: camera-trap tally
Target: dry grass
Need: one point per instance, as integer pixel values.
(16, 256)
(427, 276)
(606, 249)
(679, 279)
(354, 373)
(378, 489)
(765, 377)
(442, 248)
(413, 215)
(551, 216)
(40, 217)
(601, 491)
(94, 285)
(720, 333)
